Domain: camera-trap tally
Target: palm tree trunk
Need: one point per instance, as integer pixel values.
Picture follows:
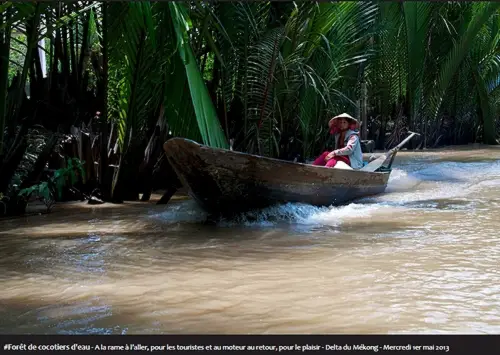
(4, 76)
(105, 176)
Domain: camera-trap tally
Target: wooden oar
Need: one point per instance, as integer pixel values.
(377, 163)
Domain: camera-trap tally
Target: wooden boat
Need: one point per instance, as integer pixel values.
(225, 182)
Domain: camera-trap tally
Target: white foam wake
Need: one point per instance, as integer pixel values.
(296, 213)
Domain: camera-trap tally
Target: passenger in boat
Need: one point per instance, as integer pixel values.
(344, 143)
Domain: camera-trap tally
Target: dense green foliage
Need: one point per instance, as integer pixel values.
(48, 190)
(264, 75)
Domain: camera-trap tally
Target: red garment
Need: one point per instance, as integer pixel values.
(332, 162)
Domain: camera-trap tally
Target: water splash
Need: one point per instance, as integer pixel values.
(424, 185)
(283, 214)
(182, 212)
(430, 183)
(307, 215)
(291, 213)
(401, 180)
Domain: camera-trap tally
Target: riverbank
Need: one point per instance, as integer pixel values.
(36, 208)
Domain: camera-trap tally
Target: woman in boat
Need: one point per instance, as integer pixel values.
(344, 143)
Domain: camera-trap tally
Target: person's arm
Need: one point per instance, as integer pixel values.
(349, 147)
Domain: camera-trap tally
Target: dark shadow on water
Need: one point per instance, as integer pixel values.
(100, 316)
(32, 316)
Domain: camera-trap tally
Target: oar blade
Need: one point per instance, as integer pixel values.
(380, 161)
(374, 165)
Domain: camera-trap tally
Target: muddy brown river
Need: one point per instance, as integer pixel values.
(421, 258)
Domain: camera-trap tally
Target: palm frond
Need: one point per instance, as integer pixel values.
(209, 125)
(482, 13)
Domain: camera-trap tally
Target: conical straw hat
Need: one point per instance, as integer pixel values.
(342, 115)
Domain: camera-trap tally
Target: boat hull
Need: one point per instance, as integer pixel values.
(228, 182)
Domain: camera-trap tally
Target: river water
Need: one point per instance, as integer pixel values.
(421, 258)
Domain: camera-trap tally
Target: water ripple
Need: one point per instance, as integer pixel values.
(421, 258)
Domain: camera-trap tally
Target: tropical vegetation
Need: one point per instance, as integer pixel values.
(106, 83)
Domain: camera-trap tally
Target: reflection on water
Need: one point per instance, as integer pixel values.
(422, 257)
